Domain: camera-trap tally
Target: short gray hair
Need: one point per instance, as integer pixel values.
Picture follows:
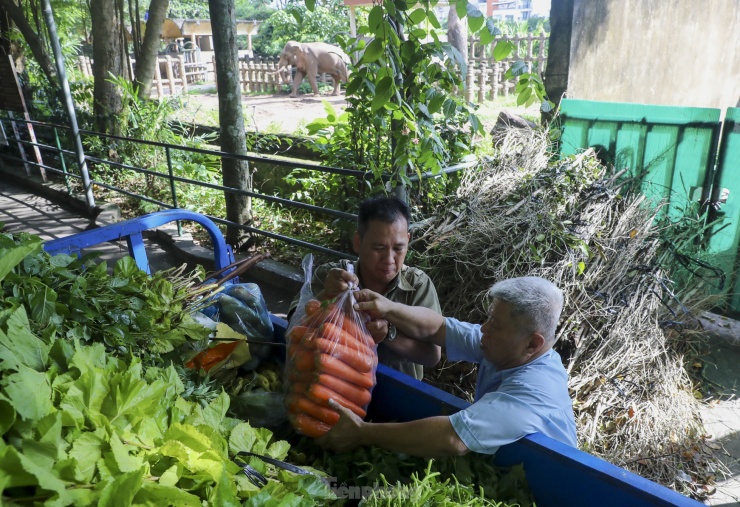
(536, 303)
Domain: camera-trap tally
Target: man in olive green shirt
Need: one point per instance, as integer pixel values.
(381, 243)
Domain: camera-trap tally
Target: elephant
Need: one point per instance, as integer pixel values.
(310, 59)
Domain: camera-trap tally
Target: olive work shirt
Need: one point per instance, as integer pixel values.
(411, 287)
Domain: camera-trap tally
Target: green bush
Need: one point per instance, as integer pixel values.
(295, 22)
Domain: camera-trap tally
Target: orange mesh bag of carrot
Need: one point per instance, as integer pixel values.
(330, 355)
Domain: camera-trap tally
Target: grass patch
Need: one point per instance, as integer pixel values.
(202, 89)
(489, 110)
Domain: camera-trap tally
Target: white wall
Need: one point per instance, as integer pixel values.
(677, 52)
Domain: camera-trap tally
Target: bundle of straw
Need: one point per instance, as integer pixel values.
(579, 225)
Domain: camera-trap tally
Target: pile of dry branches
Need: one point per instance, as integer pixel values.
(624, 327)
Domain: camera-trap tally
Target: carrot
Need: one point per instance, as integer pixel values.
(299, 387)
(309, 426)
(354, 329)
(297, 333)
(333, 366)
(296, 348)
(357, 395)
(321, 395)
(301, 404)
(335, 333)
(299, 377)
(357, 359)
(313, 306)
(209, 358)
(303, 360)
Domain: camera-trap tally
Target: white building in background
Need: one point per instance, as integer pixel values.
(517, 10)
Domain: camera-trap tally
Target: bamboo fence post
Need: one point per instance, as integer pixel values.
(495, 79)
(243, 77)
(183, 73)
(504, 83)
(158, 79)
(470, 79)
(482, 82)
(273, 87)
(215, 74)
(541, 60)
(170, 75)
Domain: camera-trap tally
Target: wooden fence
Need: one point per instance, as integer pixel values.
(485, 79)
(174, 70)
(259, 75)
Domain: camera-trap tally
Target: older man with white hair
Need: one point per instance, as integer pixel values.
(522, 386)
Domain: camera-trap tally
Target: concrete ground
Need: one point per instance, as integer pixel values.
(24, 210)
(721, 415)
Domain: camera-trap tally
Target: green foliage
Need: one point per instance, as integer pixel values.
(72, 19)
(251, 9)
(399, 479)
(144, 120)
(402, 108)
(128, 311)
(529, 87)
(198, 9)
(431, 489)
(81, 426)
(188, 9)
(297, 23)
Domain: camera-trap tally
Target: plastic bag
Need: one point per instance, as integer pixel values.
(242, 308)
(227, 350)
(330, 354)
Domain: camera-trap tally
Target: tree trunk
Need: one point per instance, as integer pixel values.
(457, 34)
(558, 55)
(38, 49)
(147, 60)
(108, 59)
(233, 140)
(4, 31)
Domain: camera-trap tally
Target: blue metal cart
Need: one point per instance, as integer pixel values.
(558, 475)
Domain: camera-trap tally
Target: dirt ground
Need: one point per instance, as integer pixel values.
(277, 113)
(274, 113)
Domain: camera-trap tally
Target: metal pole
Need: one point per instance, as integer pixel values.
(172, 186)
(69, 104)
(61, 157)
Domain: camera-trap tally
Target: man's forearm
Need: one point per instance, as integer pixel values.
(433, 436)
(418, 322)
(425, 353)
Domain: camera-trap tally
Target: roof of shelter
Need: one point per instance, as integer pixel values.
(177, 28)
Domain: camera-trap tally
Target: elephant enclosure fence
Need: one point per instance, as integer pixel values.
(259, 75)
(484, 79)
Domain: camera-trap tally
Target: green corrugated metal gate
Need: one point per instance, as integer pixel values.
(672, 150)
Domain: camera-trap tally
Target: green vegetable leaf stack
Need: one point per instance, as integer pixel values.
(84, 423)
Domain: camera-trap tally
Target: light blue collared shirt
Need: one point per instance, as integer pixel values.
(512, 403)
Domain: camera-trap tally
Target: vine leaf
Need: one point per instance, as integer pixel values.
(503, 49)
(373, 51)
(383, 92)
(475, 18)
(489, 32)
